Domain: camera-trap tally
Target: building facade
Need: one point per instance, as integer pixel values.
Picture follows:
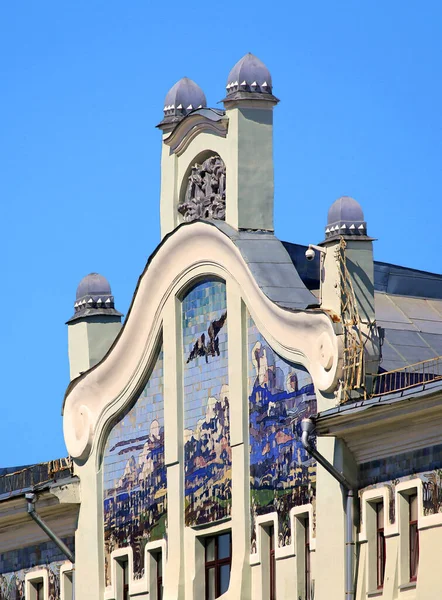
(266, 422)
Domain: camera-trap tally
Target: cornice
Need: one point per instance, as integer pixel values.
(378, 431)
(306, 337)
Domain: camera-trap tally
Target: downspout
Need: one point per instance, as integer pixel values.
(31, 498)
(308, 429)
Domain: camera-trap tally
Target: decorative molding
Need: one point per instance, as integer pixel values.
(287, 551)
(136, 586)
(379, 432)
(95, 397)
(193, 125)
(35, 577)
(383, 493)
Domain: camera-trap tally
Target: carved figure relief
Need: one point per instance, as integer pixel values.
(205, 196)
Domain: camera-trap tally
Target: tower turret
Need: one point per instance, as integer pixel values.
(218, 164)
(94, 324)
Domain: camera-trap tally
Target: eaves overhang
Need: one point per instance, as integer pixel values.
(380, 411)
(45, 486)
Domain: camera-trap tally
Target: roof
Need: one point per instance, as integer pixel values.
(408, 305)
(16, 481)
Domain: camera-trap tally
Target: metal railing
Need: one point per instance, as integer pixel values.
(407, 377)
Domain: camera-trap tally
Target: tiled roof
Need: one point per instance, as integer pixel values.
(408, 306)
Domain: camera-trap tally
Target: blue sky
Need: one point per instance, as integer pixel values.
(82, 88)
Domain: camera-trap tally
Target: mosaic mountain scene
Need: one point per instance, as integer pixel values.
(207, 452)
(134, 476)
(281, 394)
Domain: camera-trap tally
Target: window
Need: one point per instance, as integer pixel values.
(307, 559)
(301, 533)
(39, 590)
(271, 533)
(67, 584)
(218, 560)
(380, 544)
(125, 581)
(159, 578)
(413, 537)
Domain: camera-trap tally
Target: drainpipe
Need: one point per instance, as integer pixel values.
(31, 499)
(308, 429)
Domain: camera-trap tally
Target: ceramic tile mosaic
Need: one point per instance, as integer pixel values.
(15, 564)
(424, 464)
(206, 404)
(282, 474)
(134, 475)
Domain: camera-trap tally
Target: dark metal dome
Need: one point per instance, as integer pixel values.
(92, 285)
(249, 75)
(182, 98)
(345, 217)
(94, 297)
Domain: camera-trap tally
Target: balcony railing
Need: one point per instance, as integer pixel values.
(407, 377)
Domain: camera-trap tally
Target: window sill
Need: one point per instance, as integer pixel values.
(408, 586)
(375, 593)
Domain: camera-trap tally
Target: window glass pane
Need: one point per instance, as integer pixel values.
(210, 591)
(210, 548)
(224, 545)
(224, 578)
(414, 551)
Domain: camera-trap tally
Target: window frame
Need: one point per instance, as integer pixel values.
(67, 581)
(307, 559)
(405, 491)
(35, 582)
(125, 574)
(381, 546)
(413, 536)
(272, 559)
(216, 563)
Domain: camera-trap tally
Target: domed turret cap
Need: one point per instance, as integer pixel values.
(345, 218)
(251, 79)
(94, 297)
(181, 99)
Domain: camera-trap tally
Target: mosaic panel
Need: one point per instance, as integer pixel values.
(134, 475)
(424, 464)
(282, 474)
(15, 564)
(207, 450)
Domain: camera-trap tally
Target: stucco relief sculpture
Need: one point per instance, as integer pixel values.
(205, 196)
